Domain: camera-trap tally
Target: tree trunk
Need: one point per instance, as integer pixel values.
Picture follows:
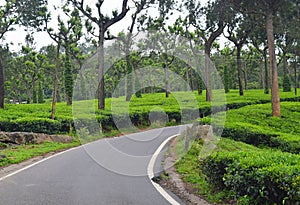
(245, 76)
(129, 76)
(273, 67)
(2, 91)
(240, 73)
(261, 76)
(137, 84)
(208, 73)
(68, 77)
(188, 84)
(101, 93)
(167, 80)
(285, 69)
(295, 77)
(54, 98)
(266, 90)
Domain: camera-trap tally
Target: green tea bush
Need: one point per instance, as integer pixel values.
(266, 176)
(179, 107)
(255, 125)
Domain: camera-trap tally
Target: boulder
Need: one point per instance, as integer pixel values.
(204, 132)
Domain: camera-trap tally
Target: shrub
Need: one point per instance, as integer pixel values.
(256, 126)
(266, 176)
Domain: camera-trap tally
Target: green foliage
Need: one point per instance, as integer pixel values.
(41, 94)
(68, 78)
(244, 173)
(250, 174)
(266, 176)
(256, 126)
(286, 84)
(177, 105)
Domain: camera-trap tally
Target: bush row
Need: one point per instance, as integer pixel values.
(261, 177)
(64, 123)
(286, 144)
(254, 125)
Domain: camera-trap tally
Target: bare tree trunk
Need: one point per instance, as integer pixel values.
(245, 76)
(188, 79)
(101, 93)
(129, 76)
(54, 98)
(143, 83)
(295, 77)
(167, 80)
(266, 89)
(285, 64)
(240, 73)
(2, 90)
(261, 76)
(207, 74)
(273, 67)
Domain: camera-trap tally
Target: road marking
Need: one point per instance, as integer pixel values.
(38, 162)
(150, 172)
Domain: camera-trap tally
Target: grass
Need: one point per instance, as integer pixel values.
(17, 154)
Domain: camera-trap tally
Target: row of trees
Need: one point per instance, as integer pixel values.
(261, 33)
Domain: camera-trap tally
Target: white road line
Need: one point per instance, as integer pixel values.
(150, 172)
(38, 162)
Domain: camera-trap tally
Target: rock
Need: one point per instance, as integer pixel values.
(204, 132)
(32, 138)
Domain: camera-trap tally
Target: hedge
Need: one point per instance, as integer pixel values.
(36, 118)
(265, 177)
(254, 125)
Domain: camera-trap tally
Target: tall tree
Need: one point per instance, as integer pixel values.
(268, 9)
(216, 15)
(71, 33)
(286, 30)
(259, 40)
(137, 20)
(20, 12)
(239, 29)
(103, 23)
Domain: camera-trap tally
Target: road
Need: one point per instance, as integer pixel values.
(109, 171)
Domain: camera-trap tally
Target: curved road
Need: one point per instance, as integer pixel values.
(109, 171)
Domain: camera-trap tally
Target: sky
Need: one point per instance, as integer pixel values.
(42, 39)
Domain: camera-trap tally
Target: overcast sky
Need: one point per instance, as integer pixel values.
(42, 39)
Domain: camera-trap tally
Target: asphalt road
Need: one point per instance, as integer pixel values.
(109, 171)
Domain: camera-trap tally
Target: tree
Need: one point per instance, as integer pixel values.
(195, 44)
(20, 12)
(259, 40)
(103, 23)
(238, 30)
(226, 52)
(268, 9)
(286, 34)
(216, 15)
(70, 32)
(127, 40)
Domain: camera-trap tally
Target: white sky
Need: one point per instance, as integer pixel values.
(42, 39)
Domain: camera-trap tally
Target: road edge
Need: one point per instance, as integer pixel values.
(150, 172)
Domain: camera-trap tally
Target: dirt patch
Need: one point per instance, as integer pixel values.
(173, 181)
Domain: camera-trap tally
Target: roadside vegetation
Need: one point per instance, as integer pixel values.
(37, 117)
(256, 161)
